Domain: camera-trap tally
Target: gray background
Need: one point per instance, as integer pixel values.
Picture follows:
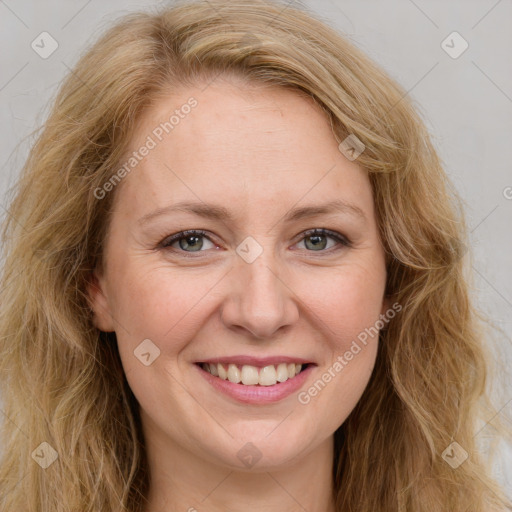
(466, 102)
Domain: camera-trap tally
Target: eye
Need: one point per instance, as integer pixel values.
(316, 240)
(192, 240)
(197, 240)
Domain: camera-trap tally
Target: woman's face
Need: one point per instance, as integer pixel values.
(254, 170)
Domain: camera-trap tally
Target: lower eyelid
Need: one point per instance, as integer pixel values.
(339, 243)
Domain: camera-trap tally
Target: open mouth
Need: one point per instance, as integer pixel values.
(249, 375)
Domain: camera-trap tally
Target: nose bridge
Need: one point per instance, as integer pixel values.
(264, 287)
(259, 300)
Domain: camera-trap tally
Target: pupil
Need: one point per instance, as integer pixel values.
(186, 241)
(316, 241)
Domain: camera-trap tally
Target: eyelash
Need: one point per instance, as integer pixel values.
(167, 242)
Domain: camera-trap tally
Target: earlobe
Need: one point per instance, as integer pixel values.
(101, 317)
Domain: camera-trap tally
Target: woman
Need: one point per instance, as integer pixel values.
(234, 280)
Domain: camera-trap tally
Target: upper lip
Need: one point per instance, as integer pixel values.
(256, 361)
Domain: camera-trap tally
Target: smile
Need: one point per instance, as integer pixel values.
(256, 380)
(249, 375)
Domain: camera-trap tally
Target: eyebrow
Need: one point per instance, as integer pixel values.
(222, 214)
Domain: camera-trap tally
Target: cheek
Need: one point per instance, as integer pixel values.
(345, 302)
(154, 303)
(347, 305)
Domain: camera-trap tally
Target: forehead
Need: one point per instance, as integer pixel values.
(241, 144)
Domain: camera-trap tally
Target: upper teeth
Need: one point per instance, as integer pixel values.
(252, 375)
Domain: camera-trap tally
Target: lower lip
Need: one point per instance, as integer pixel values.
(257, 394)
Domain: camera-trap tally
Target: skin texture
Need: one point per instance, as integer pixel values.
(259, 152)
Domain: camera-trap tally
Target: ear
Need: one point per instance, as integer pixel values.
(102, 318)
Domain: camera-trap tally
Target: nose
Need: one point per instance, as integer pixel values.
(259, 299)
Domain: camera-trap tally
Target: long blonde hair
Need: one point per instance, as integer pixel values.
(62, 382)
